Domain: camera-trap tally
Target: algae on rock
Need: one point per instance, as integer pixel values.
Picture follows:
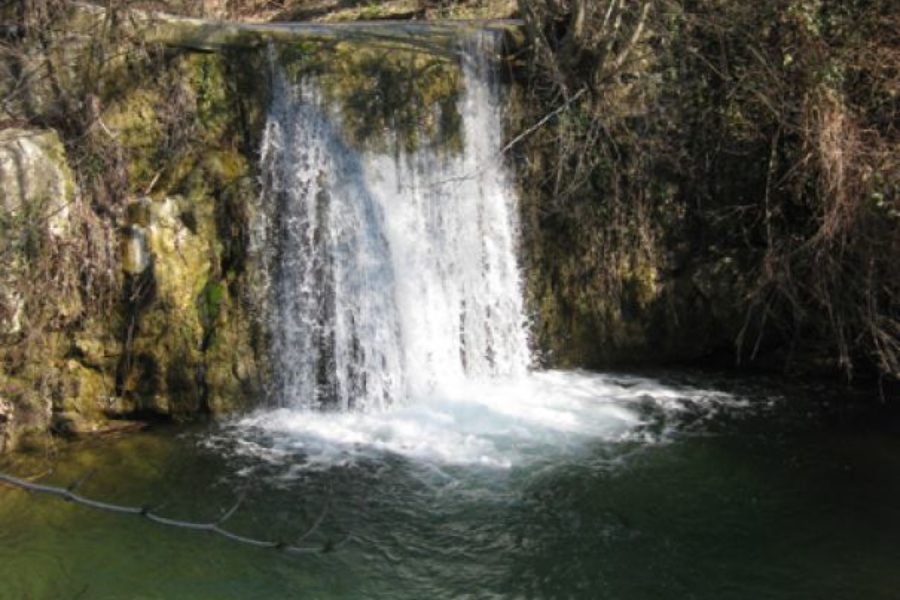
(108, 261)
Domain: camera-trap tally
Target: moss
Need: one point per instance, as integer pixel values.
(211, 93)
(134, 121)
(209, 303)
(384, 96)
(231, 369)
(162, 364)
(195, 235)
(87, 393)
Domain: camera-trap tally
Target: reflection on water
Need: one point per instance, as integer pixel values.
(567, 486)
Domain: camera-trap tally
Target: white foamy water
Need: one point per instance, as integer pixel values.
(494, 423)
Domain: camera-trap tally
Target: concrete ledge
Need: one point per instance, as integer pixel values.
(436, 37)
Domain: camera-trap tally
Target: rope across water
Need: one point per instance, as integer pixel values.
(214, 527)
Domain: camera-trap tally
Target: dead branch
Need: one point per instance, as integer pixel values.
(543, 121)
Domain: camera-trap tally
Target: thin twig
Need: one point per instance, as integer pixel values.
(543, 121)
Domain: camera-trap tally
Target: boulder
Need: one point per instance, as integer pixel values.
(37, 189)
(35, 180)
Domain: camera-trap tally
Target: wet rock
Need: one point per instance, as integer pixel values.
(72, 423)
(23, 413)
(140, 212)
(96, 349)
(86, 391)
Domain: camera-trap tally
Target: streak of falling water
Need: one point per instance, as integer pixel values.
(391, 276)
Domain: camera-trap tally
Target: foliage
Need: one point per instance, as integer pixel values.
(137, 121)
(766, 131)
(58, 83)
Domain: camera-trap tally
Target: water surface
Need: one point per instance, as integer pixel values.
(569, 485)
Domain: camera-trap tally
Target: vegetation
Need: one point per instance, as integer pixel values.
(702, 179)
(729, 173)
(135, 305)
(383, 95)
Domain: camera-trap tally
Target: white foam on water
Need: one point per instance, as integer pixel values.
(496, 423)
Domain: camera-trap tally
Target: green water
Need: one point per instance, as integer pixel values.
(785, 498)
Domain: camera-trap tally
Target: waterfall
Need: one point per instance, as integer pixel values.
(391, 274)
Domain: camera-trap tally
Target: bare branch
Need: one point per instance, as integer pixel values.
(543, 121)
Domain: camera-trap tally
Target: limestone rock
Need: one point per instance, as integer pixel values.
(182, 255)
(37, 190)
(7, 425)
(136, 257)
(35, 180)
(12, 309)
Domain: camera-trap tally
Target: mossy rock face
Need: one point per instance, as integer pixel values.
(23, 412)
(647, 304)
(87, 399)
(37, 191)
(184, 244)
(231, 368)
(184, 131)
(189, 351)
(613, 285)
(163, 348)
(37, 200)
(7, 425)
(187, 252)
(652, 308)
(382, 96)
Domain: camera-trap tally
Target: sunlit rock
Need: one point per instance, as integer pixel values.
(36, 191)
(36, 184)
(136, 257)
(7, 424)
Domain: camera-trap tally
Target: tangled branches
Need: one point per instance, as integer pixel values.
(761, 135)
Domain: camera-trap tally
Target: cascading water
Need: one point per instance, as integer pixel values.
(392, 275)
(396, 301)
